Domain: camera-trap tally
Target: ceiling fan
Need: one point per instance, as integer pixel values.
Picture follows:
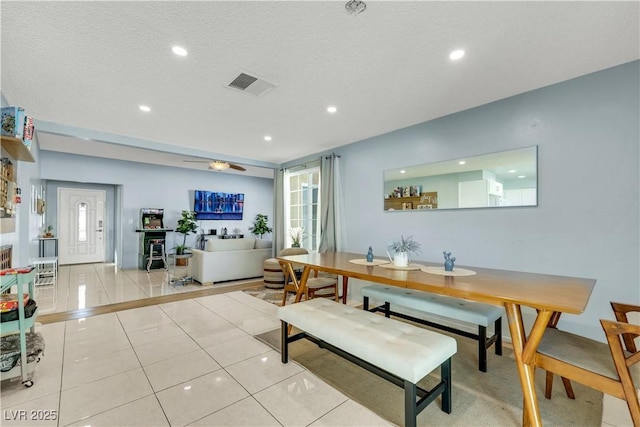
(218, 165)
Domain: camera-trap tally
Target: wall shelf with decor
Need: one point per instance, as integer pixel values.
(16, 149)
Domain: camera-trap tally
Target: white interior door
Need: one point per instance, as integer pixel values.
(80, 225)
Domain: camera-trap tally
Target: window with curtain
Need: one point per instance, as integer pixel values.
(302, 202)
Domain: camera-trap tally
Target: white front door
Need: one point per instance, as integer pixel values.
(80, 225)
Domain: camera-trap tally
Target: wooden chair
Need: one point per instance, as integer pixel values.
(317, 286)
(609, 368)
(553, 323)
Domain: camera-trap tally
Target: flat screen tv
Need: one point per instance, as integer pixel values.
(215, 205)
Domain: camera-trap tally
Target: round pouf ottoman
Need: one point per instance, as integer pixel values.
(273, 275)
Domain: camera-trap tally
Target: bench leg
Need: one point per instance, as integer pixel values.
(445, 376)
(284, 341)
(410, 408)
(482, 348)
(387, 310)
(365, 303)
(498, 332)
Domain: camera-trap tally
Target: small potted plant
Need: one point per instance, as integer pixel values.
(260, 225)
(48, 231)
(297, 236)
(186, 225)
(401, 250)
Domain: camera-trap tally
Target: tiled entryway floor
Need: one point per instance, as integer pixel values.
(82, 286)
(191, 362)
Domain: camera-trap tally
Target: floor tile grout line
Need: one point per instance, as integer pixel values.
(223, 368)
(155, 395)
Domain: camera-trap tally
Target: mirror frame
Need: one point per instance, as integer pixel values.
(482, 181)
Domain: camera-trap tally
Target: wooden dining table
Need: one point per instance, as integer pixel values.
(545, 293)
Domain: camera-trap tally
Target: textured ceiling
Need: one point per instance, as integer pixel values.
(82, 68)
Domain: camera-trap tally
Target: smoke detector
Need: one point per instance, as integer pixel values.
(250, 85)
(355, 7)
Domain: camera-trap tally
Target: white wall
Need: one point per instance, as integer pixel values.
(150, 186)
(587, 221)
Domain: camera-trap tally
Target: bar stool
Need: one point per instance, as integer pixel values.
(156, 253)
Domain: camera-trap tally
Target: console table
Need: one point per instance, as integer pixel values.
(43, 240)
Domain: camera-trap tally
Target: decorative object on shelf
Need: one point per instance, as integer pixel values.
(297, 236)
(186, 225)
(13, 121)
(448, 261)
(260, 225)
(401, 250)
(370, 255)
(48, 231)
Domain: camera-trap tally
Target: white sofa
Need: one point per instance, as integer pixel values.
(229, 259)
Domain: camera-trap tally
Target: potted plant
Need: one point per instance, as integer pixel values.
(186, 225)
(48, 231)
(260, 225)
(401, 250)
(297, 236)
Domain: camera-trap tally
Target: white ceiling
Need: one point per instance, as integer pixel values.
(83, 68)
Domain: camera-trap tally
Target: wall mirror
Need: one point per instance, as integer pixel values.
(504, 179)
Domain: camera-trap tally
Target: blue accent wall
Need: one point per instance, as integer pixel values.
(587, 221)
(141, 185)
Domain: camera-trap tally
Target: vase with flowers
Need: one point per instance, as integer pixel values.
(401, 250)
(297, 236)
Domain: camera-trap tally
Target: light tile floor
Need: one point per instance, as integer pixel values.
(192, 362)
(91, 285)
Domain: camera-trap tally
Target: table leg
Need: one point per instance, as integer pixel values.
(523, 350)
(345, 288)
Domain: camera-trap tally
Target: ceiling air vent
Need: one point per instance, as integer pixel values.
(252, 85)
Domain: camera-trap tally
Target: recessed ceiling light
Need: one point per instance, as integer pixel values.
(180, 51)
(462, 162)
(267, 138)
(144, 108)
(513, 171)
(332, 109)
(522, 176)
(403, 171)
(456, 54)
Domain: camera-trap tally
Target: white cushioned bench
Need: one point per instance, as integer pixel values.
(472, 312)
(399, 352)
